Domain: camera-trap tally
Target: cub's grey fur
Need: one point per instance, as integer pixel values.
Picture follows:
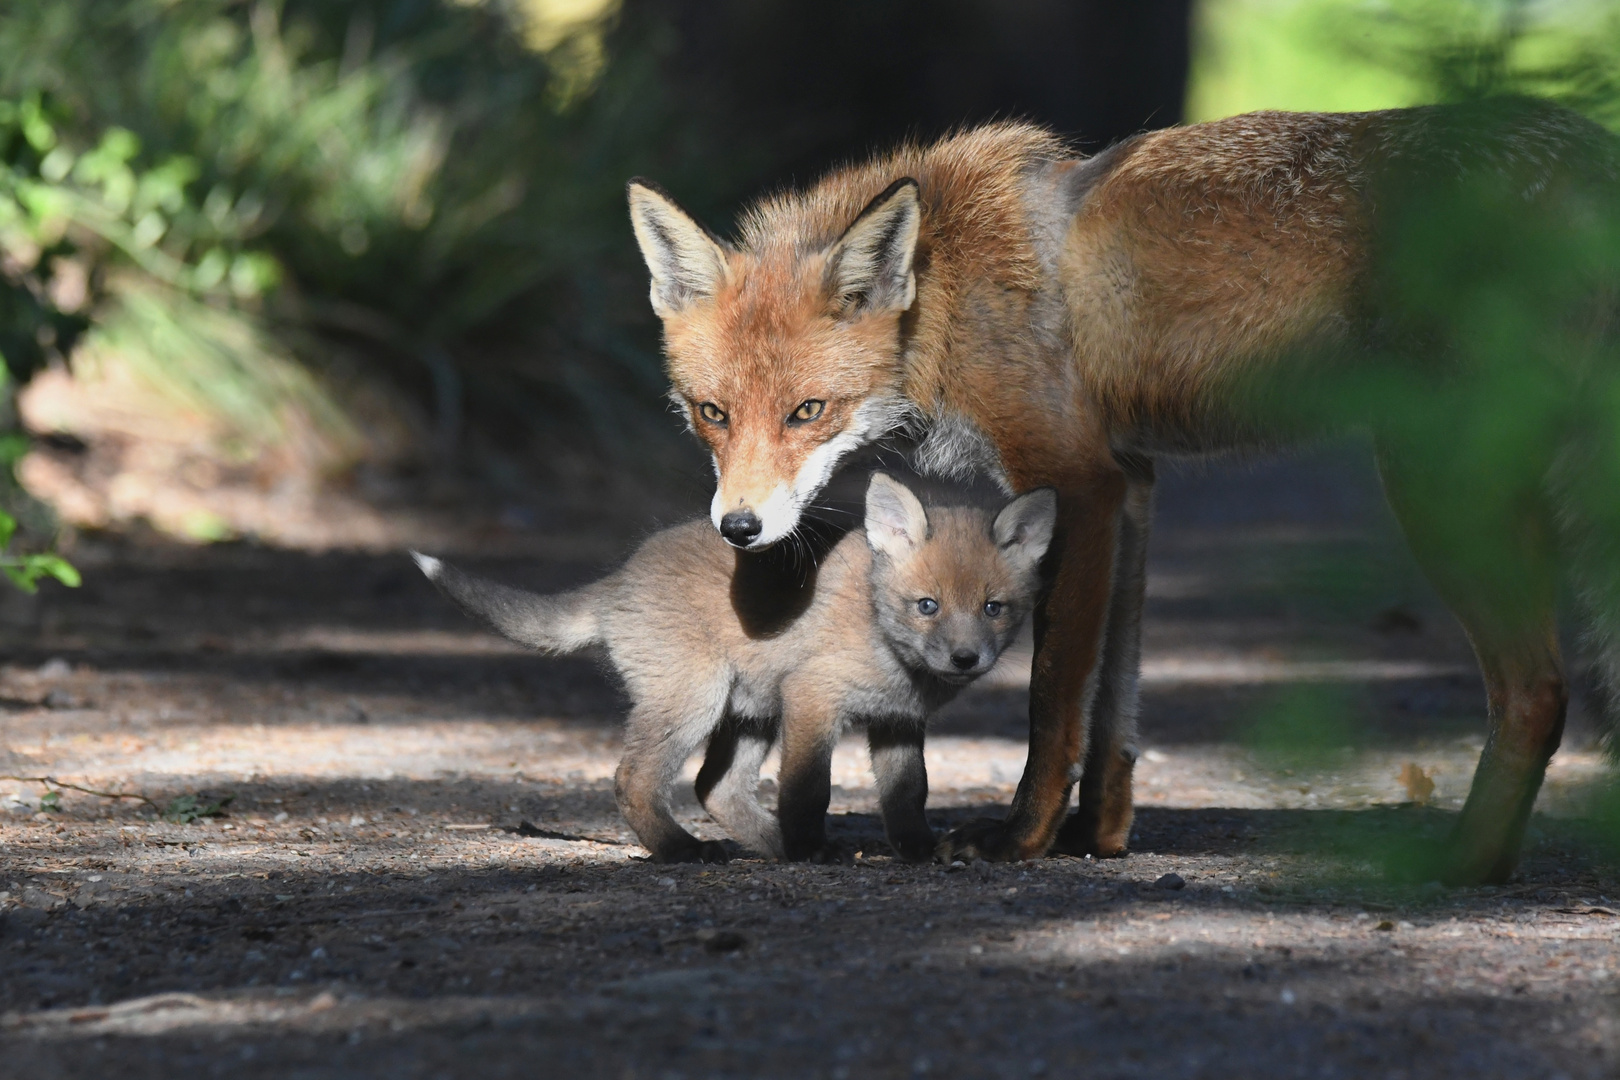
(737, 649)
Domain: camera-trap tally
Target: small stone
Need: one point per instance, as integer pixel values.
(721, 941)
(54, 668)
(1170, 881)
(59, 699)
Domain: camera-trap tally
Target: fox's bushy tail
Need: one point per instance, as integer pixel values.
(555, 624)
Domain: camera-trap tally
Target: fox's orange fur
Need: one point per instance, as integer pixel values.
(1059, 321)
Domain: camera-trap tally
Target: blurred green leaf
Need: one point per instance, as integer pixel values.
(1302, 729)
(185, 809)
(55, 566)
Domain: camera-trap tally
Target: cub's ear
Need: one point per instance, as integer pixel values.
(896, 523)
(869, 268)
(1023, 529)
(686, 261)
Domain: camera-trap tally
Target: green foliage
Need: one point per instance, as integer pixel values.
(437, 190)
(24, 570)
(165, 278)
(185, 809)
(1301, 729)
(51, 802)
(1372, 54)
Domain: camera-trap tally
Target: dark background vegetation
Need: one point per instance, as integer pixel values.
(328, 219)
(440, 200)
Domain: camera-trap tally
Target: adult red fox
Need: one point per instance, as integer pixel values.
(1059, 321)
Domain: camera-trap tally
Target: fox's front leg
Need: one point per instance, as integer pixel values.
(1069, 625)
(902, 782)
(1102, 825)
(804, 786)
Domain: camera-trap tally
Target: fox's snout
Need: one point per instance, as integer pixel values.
(752, 521)
(741, 527)
(967, 650)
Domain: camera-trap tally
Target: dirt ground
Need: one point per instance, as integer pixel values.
(422, 873)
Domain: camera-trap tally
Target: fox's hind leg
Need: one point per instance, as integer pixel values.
(660, 737)
(728, 784)
(1490, 550)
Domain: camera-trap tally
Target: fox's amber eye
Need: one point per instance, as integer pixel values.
(807, 411)
(712, 413)
(928, 606)
(993, 608)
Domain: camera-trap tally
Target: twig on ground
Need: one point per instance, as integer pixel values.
(182, 810)
(53, 782)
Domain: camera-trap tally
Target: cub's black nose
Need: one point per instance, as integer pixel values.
(740, 527)
(965, 661)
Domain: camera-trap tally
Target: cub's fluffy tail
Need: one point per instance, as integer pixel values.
(555, 624)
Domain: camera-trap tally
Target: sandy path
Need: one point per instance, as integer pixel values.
(370, 906)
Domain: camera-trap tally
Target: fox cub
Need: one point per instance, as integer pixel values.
(728, 647)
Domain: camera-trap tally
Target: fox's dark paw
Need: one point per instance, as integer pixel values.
(698, 851)
(914, 847)
(983, 838)
(713, 851)
(827, 854)
(1081, 836)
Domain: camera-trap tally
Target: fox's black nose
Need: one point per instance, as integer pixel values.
(964, 660)
(740, 527)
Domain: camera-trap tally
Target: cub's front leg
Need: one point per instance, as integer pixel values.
(902, 780)
(810, 727)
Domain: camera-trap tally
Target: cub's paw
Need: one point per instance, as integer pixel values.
(914, 847)
(698, 851)
(983, 838)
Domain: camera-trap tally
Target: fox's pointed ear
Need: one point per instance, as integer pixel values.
(686, 261)
(896, 523)
(869, 268)
(1023, 529)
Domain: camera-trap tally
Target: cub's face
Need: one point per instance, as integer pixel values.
(952, 587)
(783, 362)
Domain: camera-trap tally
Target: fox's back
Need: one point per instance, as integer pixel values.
(1198, 253)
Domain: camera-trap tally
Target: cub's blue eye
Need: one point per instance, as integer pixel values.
(993, 608)
(928, 605)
